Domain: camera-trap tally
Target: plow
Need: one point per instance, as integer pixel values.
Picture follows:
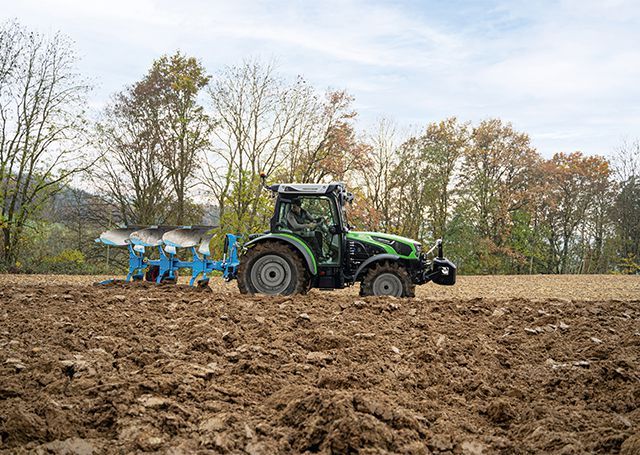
(167, 240)
(309, 244)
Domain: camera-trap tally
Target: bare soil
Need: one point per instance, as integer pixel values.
(493, 365)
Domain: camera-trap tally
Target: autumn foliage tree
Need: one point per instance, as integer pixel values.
(442, 146)
(575, 197)
(153, 134)
(323, 144)
(495, 176)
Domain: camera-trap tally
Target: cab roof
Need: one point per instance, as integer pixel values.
(307, 188)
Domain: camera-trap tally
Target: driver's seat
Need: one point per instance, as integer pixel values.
(283, 224)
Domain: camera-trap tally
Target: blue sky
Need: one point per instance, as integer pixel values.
(565, 72)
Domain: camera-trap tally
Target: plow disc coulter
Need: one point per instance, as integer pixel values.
(309, 244)
(167, 241)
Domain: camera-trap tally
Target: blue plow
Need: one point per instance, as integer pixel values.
(167, 240)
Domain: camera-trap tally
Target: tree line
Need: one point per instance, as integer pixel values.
(183, 146)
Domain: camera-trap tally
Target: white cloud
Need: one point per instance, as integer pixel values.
(564, 72)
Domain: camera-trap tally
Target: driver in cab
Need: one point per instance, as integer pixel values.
(299, 219)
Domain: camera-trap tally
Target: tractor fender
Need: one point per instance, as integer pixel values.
(298, 244)
(373, 259)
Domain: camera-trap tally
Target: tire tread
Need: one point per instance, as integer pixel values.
(303, 281)
(366, 286)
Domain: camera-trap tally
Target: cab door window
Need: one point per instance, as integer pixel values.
(311, 219)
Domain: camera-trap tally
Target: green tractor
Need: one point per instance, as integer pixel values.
(311, 245)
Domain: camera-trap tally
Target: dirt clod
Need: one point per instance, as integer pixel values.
(631, 445)
(319, 357)
(501, 412)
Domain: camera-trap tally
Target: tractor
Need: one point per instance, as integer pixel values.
(309, 245)
(293, 257)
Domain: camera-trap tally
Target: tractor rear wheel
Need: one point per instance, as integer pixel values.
(388, 278)
(272, 268)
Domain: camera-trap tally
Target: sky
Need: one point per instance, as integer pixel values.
(565, 72)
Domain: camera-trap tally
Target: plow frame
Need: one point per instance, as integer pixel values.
(201, 265)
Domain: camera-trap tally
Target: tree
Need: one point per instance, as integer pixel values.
(131, 175)
(42, 127)
(12, 42)
(625, 211)
(574, 183)
(184, 127)
(496, 177)
(323, 144)
(422, 177)
(378, 175)
(443, 145)
(154, 133)
(255, 114)
(598, 224)
(411, 194)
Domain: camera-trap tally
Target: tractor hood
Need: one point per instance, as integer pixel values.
(392, 244)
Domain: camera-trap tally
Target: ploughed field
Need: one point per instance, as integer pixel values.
(498, 364)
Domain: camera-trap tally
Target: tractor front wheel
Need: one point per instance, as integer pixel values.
(387, 278)
(272, 268)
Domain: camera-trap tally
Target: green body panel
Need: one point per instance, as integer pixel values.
(368, 238)
(295, 240)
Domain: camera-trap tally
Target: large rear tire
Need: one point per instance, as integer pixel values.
(272, 268)
(387, 278)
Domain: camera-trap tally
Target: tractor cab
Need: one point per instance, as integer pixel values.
(314, 214)
(315, 220)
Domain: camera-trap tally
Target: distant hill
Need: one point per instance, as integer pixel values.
(77, 204)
